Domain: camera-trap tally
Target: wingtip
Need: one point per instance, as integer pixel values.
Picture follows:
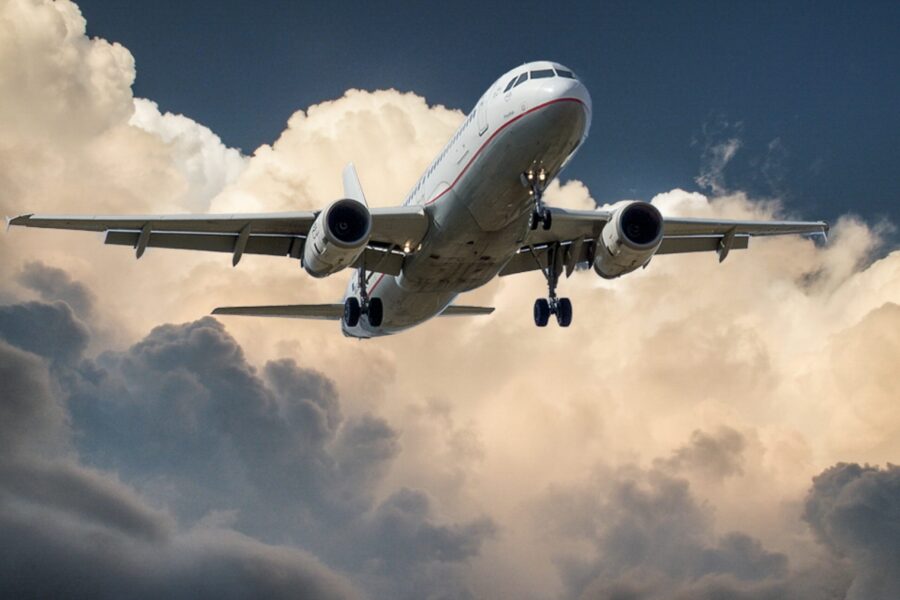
(20, 220)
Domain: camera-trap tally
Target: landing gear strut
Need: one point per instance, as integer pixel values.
(560, 307)
(536, 180)
(354, 307)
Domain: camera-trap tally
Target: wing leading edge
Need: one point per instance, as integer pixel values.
(575, 232)
(274, 234)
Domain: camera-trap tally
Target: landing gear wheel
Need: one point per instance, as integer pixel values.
(352, 312)
(541, 312)
(547, 220)
(564, 312)
(375, 312)
(535, 219)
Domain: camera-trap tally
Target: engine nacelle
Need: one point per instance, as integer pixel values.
(629, 240)
(337, 238)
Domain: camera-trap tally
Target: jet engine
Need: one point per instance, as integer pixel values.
(337, 238)
(629, 240)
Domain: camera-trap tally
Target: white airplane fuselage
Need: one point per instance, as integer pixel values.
(478, 207)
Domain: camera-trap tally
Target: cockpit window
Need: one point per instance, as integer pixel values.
(510, 84)
(542, 74)
(522, 78)
(566, 74)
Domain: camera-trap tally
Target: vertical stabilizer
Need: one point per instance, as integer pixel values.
(352, 187)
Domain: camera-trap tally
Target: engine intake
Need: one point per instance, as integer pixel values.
(629, 240)
(337, 238)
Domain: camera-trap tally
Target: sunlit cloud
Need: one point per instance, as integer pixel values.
(664, 444)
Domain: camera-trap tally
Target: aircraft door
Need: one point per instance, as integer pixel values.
(482, 117)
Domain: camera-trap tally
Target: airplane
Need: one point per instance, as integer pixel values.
(476, 213)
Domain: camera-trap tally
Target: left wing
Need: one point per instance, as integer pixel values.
(275, 234)
(576, 231)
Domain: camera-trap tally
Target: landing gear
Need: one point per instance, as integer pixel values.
(552, 305)
(375, 312)
(354, 307)
(536, 180)
(352, 311)
(541, 312)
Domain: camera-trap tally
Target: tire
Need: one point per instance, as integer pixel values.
(533, 223)
(564, 312)
(351, 312)
(548, 220)
(541, 312)
(376, 312)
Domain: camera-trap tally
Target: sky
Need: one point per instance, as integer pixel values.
(808, 88)
(703, 430)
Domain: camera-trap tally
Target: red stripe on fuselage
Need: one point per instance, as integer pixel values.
(482, 147)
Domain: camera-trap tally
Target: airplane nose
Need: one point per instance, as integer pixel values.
(561, 88)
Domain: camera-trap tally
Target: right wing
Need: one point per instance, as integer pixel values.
(275, 234)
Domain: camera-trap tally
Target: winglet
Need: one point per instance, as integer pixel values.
(20, 220)
(352, 187)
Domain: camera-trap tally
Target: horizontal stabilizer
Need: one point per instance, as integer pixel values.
(331, 312)
(457, 310)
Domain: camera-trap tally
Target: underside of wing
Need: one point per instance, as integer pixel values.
(275, 234)
(329, 312)
(575, 236)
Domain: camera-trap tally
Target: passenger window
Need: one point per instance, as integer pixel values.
(566, 74)
(522, 78)
(542, 74)
(509, 85)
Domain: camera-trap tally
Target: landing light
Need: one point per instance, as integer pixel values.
(407, 247)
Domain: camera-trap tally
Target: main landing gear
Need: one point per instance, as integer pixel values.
(560, 307)
(535, 181)
(354, 307)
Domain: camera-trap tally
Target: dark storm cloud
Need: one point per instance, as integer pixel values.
(49, 330)
(31, 420)
(54, 284)
(404, 521)
(653, 540)
(855, 511)
(714, 455)
(71, 531)
(193, 429)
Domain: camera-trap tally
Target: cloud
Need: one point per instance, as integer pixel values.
(53, 284)
(854, 510)
(651, 538)
(715, 455)
(50, 330)
(80, 532)
(411, 463)
(206, 164)
(183, 418)
(720, 142)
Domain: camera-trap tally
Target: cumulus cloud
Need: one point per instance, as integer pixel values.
(855, 510)
(54, 284)
(254, 460)
(251, 450)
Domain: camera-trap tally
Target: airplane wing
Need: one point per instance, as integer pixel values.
(275, 234)
(576, 232)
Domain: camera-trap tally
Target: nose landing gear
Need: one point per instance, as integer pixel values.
(536, 180)
(552, 305)
(354, 308)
